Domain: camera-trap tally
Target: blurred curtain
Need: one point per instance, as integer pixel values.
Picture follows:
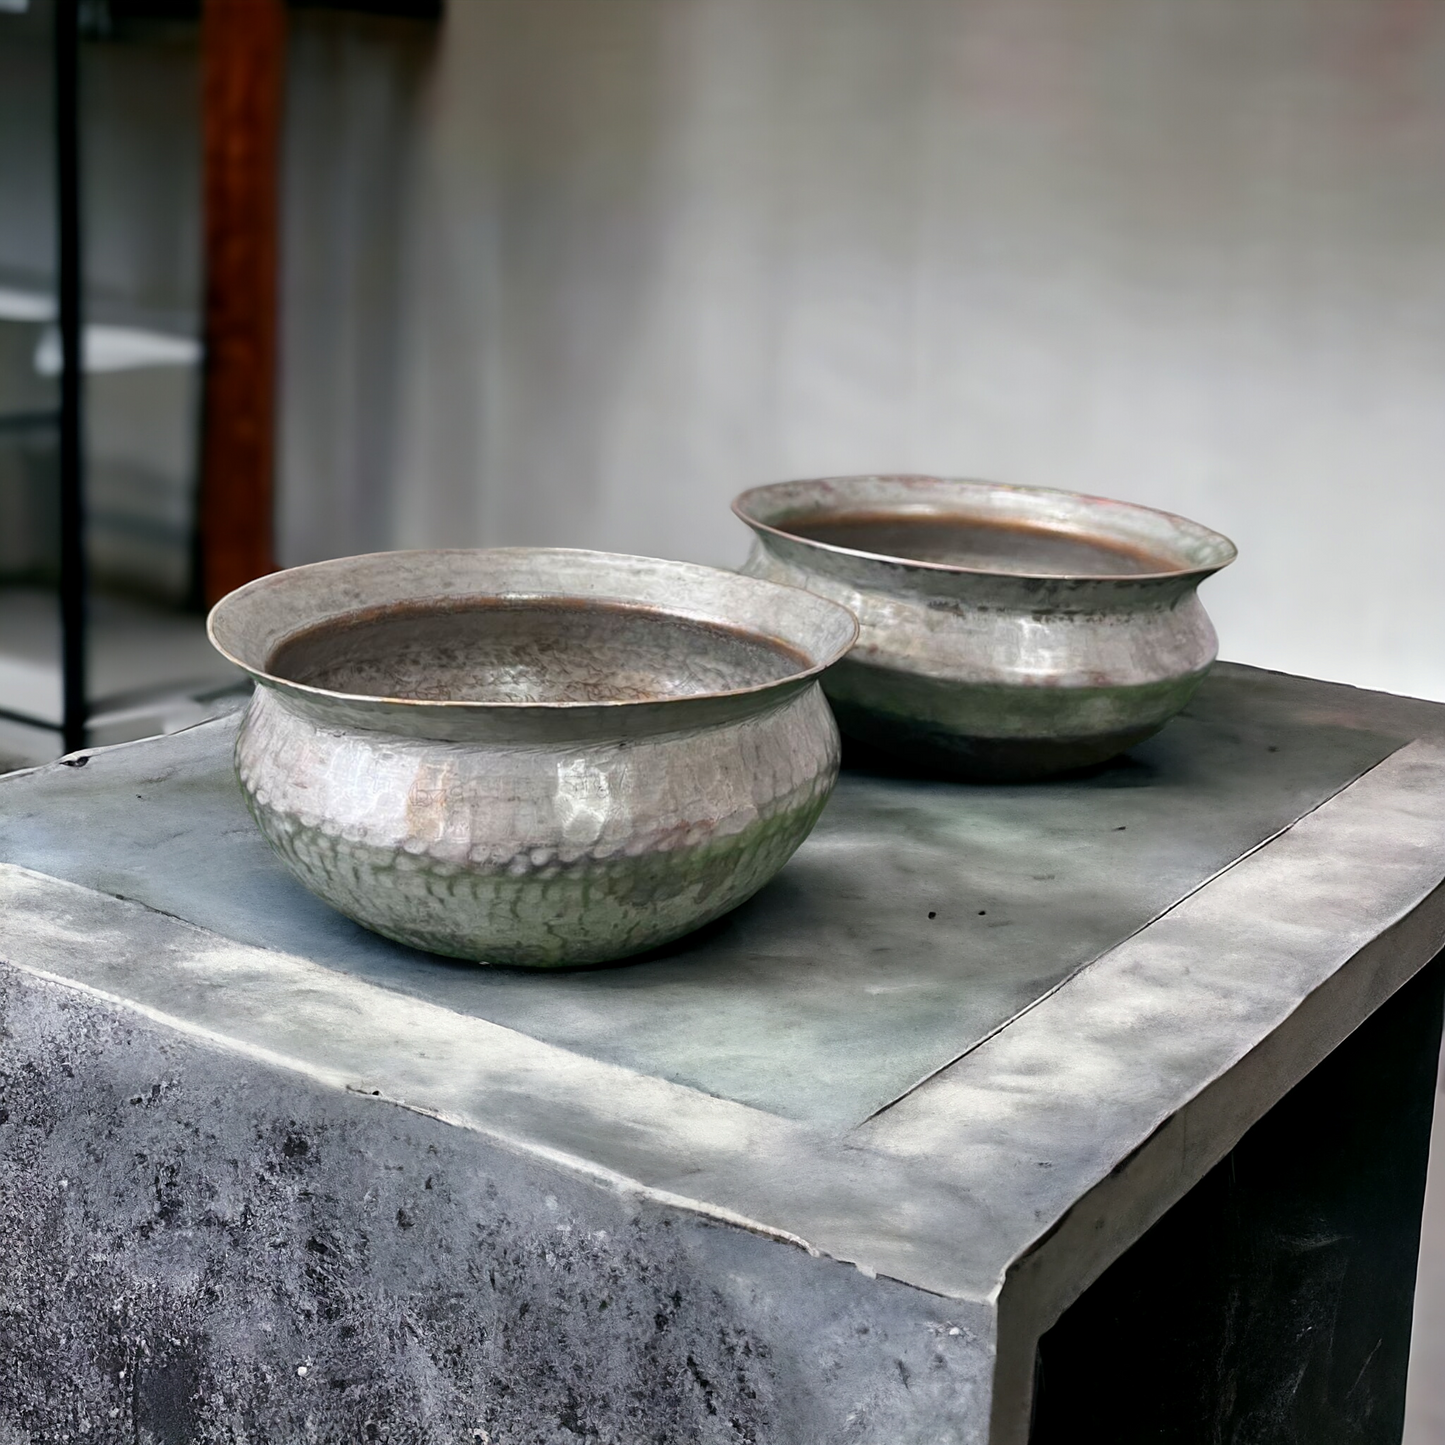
(1183, 253)
(606, 262)
(350, 128)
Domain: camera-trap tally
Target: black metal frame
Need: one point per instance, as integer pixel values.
(73, 589)
(69, 418)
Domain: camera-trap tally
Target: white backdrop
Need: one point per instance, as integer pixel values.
(657, 250)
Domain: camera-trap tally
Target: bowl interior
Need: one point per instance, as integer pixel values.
(977, 543)
(531, 650)
(985, 527)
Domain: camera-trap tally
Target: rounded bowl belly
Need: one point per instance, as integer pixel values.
(1061, 702)
(535, 855)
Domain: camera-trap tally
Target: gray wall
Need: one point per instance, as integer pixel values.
(1190, 254)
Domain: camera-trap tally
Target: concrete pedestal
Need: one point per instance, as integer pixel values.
(957, 1132)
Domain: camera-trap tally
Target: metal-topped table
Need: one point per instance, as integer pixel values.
(1003, 1110)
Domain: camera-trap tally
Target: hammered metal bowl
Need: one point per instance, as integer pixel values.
(1006, 632)
(532, 756)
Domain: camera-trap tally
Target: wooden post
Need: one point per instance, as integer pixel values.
(244, 60)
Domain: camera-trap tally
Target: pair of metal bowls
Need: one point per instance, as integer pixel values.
(552, 758)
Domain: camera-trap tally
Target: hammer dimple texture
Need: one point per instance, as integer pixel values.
(539, 856)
